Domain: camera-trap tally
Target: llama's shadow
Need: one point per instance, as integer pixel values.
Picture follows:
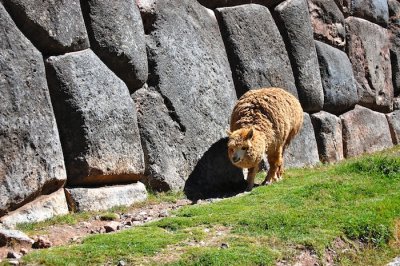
(214, 175)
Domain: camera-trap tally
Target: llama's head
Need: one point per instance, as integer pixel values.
(246, 147)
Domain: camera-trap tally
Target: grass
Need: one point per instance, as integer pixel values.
(355, 203)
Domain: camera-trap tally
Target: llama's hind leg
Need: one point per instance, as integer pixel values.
(275, 167)
(250, 177)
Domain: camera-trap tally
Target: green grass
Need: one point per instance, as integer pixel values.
(356, 202)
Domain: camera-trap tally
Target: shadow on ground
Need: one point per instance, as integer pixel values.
(214, 176)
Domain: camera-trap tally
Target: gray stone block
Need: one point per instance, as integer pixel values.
(328, 133)
(375, 11)
(368, 49)
(303, 150)
(190, 71)
(328, 22)
(226, 3)
(255, 48)
(54, 27)
(104, 198)
(31, 159)
(97, 120)
(340, 89)
(293, 21)
(394, 35)
(364, 131)
(117, 36)
(42, 208)
(394, 125)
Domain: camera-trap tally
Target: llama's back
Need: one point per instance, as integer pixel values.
(270, 110)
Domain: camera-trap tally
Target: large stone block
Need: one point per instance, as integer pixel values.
(31, 159)
(328, 133)
(54, 27)
(368, 50)
(97, 120)
(190, 71)
(163, 142)
(117, 37)
(328, 22)
(294, 23)
(303, 150)
(364, 131)
(42, 208)
(226, 3)
(104, 198)
(340, 89)
(255, 48)
(394, 125)
(394, 34)
(213, 176)
(375, 11)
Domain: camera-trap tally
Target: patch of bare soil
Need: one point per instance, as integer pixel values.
(57, 235)
(213, 237)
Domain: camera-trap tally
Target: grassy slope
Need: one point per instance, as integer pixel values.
(357, 202)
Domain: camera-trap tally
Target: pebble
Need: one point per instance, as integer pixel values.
(121, 263)
(143, 213)
(395, 262)
(13, 262)
(112, 227)
(163, 213)
(23, 251)
(41, 242)
(13, 255)
(224, 245)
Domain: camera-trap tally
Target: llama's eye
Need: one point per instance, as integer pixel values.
(244, 148)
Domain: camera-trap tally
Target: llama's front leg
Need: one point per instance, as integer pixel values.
(250, 178)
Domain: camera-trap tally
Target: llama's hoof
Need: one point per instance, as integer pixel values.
(266, 183)
(249, 188)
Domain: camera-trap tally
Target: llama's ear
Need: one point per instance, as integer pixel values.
(228, 133)
(250, 134)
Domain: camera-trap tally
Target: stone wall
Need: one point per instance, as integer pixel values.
(101, 96)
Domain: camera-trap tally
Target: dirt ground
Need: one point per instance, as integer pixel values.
(57, 235)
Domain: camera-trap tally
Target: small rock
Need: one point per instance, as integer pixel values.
(121, 263)
(206, 230)
(163, 213)
(85, 224)
(128, 223)
(395, 262)
(224, 245)
(13, 262)
(94, 231)
(23, 251)
(42, 242)
(126, 216)
(14, 236)
(75, 239)
(13, 255)
(136, 223)
(112, 227)
(143, 213)
(137, 218)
